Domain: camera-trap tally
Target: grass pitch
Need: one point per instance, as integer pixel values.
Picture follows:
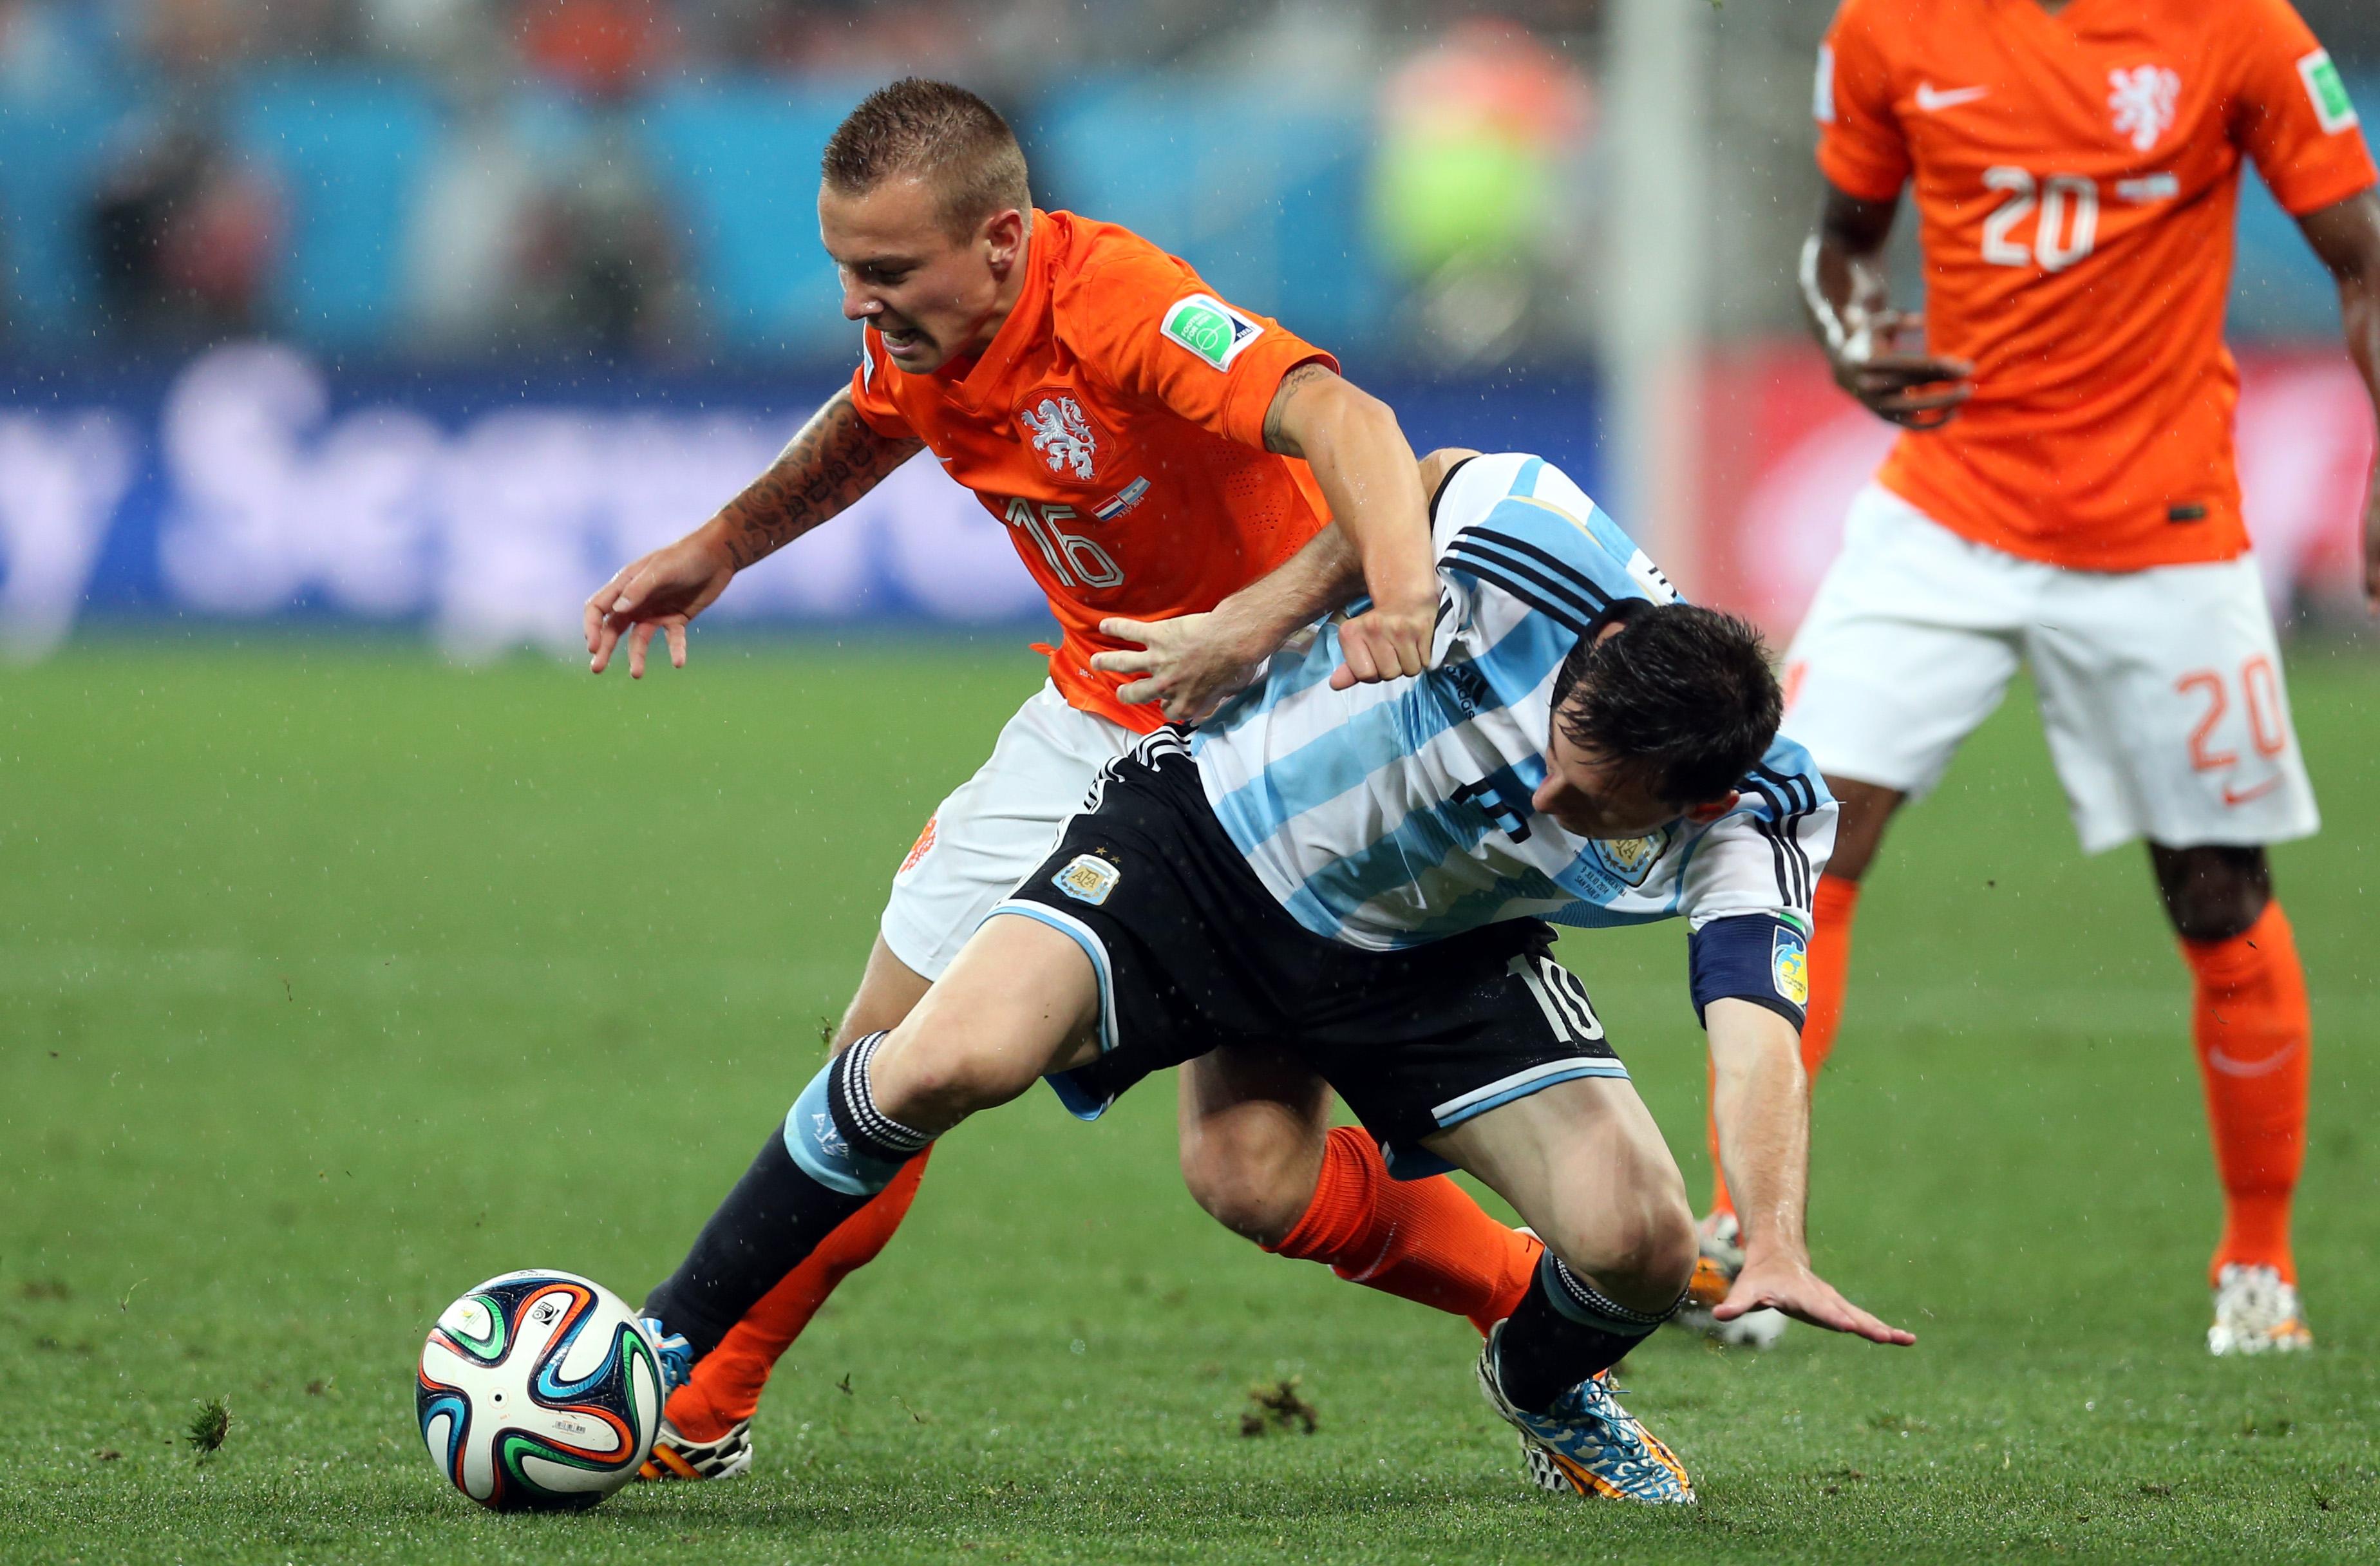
(335, 979)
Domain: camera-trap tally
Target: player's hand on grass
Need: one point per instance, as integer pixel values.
(1385, 643)
(1908, 386)
(658, 591)
(1787, 1284)
(1189, 665)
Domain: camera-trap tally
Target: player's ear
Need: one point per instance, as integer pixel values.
(1703, 815)
(1003, 239)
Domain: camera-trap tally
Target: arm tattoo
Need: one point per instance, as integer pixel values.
(835, 459)
(1277, 437)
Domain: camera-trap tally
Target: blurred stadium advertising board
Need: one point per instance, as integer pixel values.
(1785, 452)
(255, 483)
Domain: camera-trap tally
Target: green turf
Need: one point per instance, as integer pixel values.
(335, 979)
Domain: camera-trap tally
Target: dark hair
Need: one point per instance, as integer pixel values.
(931, 130)
(1684, 691)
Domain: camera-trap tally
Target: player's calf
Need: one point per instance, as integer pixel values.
(1015, 1006)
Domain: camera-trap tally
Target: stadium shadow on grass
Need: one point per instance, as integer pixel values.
(335, 980)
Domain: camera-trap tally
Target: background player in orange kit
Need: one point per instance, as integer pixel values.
(2066, 495)
(1154, 451)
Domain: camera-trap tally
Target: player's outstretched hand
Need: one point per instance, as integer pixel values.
(1384, 644)
(1781, 1283)
(658, 591)
(1189, 665)
(1912, 388)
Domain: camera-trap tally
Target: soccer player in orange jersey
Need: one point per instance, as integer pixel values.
(2065, 495)
(1159, 455)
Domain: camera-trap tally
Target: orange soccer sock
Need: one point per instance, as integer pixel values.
(1421, 1240)
(1833, 910)
(726, 1385)
(2254, 1036)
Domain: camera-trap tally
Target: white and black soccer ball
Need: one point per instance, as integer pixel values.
(538, 1390)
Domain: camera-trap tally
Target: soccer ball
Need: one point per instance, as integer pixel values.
(538, 1390)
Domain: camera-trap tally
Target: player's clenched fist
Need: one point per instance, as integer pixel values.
(1385, 644)
(658, 591)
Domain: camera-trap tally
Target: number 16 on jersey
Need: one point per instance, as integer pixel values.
(1072, 558)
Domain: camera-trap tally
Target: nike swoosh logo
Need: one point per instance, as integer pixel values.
(2231, 1065)
(2244, 796)
(1931, 101)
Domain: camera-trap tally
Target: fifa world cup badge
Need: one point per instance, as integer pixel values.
(1087, 880)
(1790, 967)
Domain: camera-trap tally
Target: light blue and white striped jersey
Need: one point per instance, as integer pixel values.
(1399, 813)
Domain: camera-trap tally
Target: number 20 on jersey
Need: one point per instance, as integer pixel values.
(2065, 208)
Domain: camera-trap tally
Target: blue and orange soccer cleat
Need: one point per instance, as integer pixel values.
(674, 1456)
(1586, 1444)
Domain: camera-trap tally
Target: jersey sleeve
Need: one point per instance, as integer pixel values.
(1525, 561)
(2291, 113)
(1514, 527)
(871, 387)
(1860, 150)
(1745, 891)
(1148, 325)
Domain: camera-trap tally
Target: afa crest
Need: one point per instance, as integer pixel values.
(1087, 879)
(1631, 859)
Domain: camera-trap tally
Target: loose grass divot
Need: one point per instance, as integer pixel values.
(209, 1427)
(1279, 1407)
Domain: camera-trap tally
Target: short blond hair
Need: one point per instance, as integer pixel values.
(934, 132)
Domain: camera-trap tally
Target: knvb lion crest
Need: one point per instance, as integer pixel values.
(2142, 100)
(1062, 435)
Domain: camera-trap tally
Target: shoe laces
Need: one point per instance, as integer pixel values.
(676, 1353)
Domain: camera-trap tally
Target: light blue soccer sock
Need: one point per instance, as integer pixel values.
(838, 1135)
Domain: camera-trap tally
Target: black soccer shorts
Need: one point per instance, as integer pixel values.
(1193, 952)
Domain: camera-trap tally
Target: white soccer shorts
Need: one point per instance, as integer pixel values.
(996, 827)
(2161, 690)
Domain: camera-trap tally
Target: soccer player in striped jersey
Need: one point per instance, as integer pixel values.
(1360, 875)
(1160, 458)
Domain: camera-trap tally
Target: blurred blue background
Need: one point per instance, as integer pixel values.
(330, 306)
(427, 179)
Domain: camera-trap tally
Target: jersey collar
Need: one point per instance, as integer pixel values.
(987, 383)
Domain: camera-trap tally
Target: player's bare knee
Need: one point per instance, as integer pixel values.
(1255, 1185)
(1658, 1250)
(1864, 809)
(1639, 1250)
(2212, 892)
(934, 1077)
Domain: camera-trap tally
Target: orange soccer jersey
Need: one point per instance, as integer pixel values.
(2075, 178)
(1115, 424)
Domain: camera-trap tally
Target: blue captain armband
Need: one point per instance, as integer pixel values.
(1762, 958)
